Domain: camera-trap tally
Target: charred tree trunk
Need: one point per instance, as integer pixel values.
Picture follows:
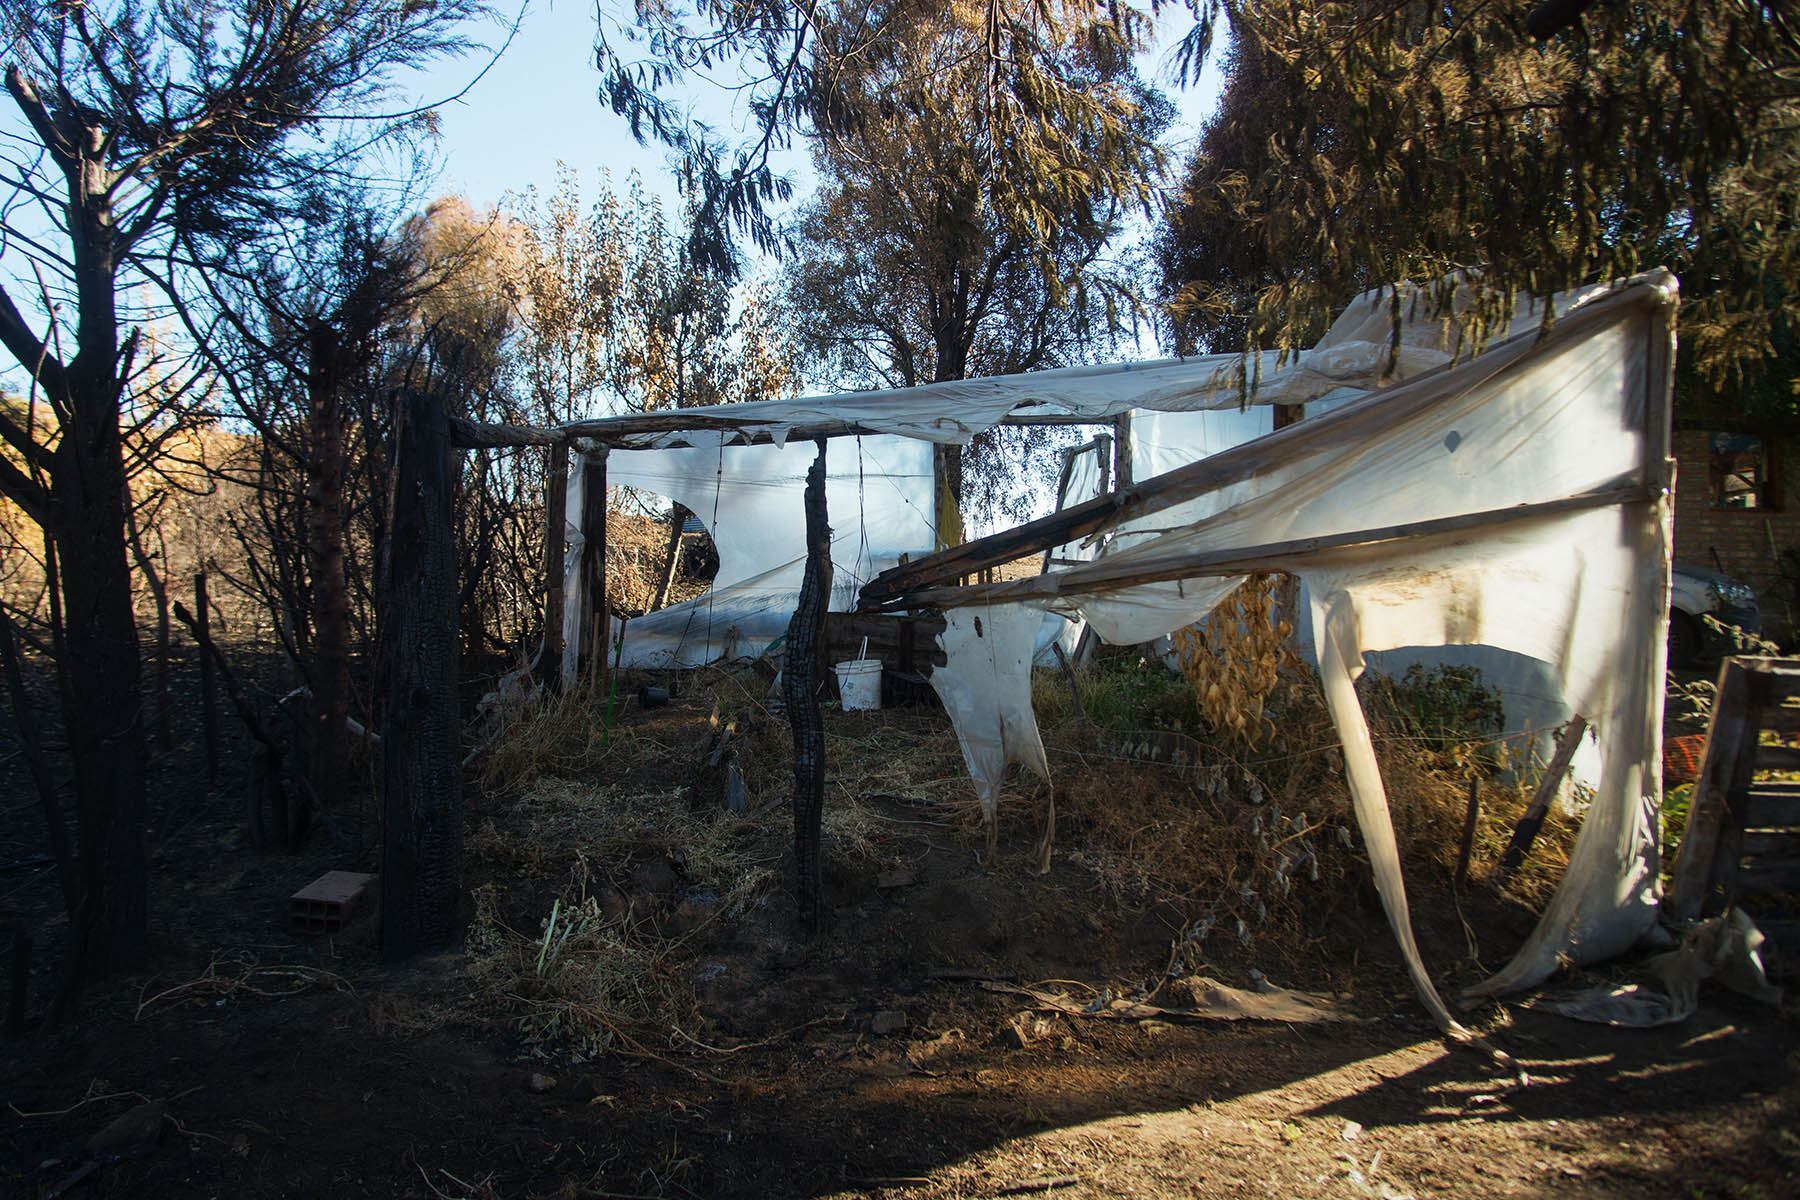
(421, 855)
(100, 670)
(800, 694)
(327, 764)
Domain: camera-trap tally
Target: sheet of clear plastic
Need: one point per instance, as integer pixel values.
(878, 495)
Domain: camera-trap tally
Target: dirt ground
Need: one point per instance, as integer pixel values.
(887, 1057)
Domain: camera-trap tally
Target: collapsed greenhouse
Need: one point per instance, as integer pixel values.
(1508, 501)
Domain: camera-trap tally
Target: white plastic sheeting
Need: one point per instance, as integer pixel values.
(878, 493)
(1578, 420)
(986, 689)
(1582, 589)
(1358, 352)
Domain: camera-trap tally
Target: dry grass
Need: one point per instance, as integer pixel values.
(622, 836)
(1255, 847)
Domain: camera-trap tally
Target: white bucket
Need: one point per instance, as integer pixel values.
(859, 683)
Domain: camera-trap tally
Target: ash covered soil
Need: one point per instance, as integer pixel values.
(723, 1055)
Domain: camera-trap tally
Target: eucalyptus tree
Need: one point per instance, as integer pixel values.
(150, 135)
(799, 70)
(915, 263)
(1366, 141)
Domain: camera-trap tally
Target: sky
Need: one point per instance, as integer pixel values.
(538, 104)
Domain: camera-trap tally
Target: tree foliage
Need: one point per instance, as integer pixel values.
(1366, 141)
(804, 68)
(916, 262)
(613, 314)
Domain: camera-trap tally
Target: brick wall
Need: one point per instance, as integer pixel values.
(1747, 542)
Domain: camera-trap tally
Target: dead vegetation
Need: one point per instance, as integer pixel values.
(614, 864)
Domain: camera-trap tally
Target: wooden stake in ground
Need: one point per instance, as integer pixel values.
(556, 520)
(422, 817)
(671, 557)
(272, 822)
(800, 694)
(593, 563)
(1533, 820)
(1471, 816)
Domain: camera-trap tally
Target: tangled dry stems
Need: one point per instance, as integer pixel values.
(1255, 845)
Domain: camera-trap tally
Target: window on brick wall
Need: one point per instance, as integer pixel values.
(1742, 471)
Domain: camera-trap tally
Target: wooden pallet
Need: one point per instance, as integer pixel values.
(1743, 831)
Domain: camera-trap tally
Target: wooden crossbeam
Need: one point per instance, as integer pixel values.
(1244, 559)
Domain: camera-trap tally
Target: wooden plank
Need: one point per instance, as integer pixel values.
(1781, 719)
(1706, 865)
(1527, 830)
(1769, 877)
(481, 435)
(1776, 844)
(1121, 454)
(903, 643)
(1783, 673)
(1659, 394)
(1777, 758)
(1771, 806)
(1104, 574)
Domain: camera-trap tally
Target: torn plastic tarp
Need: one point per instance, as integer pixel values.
(1359, 351)
(986, 688)
(878, 494)
(1578, 420)
(1726, 948)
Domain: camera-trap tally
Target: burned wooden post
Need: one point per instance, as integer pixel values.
(593, 564)
(1465, 848)
(209, 701)
(1121, 455)
(1526, 831)
(556, 520)
(421, 850)
(43, 776)
(800, 694)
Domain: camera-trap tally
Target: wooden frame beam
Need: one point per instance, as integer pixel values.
(622, 433)
(1272, 556)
